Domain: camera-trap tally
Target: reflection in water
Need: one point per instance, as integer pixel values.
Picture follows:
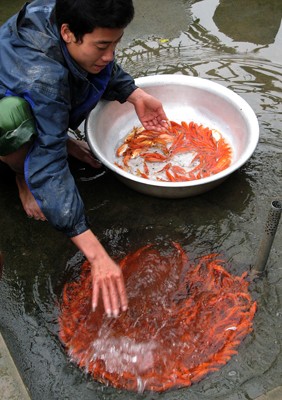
(235, 17)
(221, 29)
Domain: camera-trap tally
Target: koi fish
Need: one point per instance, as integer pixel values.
(184, 321)
(191, 151)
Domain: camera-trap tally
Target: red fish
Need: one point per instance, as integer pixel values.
(183, 322)
(210, 152)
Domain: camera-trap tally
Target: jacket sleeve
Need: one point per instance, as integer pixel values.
(121, 85)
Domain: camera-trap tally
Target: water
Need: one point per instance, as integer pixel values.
(236, 44)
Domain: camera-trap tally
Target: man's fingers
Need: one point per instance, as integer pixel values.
(94, 163)
(40, 216)
(114, 298)
(158, 123)
(95, 294)
(122, 293)
(106, 299)
(113, 294)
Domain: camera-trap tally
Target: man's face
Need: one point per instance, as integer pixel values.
(96, 50)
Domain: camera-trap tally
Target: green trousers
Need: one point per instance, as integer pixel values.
(17, 125)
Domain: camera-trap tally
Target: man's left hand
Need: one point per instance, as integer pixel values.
(81, 151)
(149, 110)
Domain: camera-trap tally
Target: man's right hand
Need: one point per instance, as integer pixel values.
(107, 277)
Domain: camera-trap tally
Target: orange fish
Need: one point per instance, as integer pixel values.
(184, 321)
(210, 152)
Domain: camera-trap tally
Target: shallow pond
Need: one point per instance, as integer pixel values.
(234, 43)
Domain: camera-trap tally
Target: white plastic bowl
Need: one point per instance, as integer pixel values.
(184, 98)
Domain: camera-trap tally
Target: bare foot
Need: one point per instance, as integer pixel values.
(29, 203)
(80, 150)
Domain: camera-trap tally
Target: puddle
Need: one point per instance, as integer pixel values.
(228, 219)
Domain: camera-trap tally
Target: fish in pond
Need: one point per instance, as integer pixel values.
(184, 321)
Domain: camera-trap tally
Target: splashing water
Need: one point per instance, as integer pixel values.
(121, 354)
(183, 322)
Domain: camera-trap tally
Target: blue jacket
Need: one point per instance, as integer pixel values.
(35, 64)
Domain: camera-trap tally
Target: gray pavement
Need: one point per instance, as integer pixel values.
(11, 384)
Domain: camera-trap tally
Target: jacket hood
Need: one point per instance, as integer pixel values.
(36, 26)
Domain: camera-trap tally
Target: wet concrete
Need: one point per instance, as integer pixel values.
(11, 384)
(275, 394)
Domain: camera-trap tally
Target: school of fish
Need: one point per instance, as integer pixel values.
(181, 152)
(185, 320)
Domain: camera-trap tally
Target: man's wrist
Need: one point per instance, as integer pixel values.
(135, 96)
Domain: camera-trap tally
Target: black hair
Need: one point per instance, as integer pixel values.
(83, 16)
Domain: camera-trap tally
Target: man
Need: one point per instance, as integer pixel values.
(56, 62)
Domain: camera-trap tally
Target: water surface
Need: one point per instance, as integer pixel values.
(234, 43)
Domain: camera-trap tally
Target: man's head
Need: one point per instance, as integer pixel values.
(91, 29)
(83, 16)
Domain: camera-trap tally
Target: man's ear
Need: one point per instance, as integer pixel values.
(66, 34)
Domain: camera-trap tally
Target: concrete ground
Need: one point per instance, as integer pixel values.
(11, 384)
